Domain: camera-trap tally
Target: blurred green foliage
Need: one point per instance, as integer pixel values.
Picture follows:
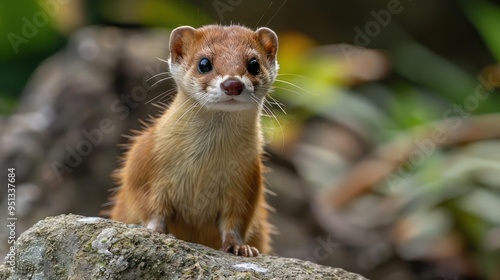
(17, 62)
(28, 38)
(486, 17)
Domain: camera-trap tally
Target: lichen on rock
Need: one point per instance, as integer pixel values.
(76, 247)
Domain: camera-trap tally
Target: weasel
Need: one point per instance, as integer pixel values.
(196, 172)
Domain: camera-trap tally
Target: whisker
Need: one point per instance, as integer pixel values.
(201, 107)
(163, 94)
(255, 100)
(265, 109)
(182, 105)
(294, 75)
(273, 115)
(187, 111)
(287, 89)
(162, 60)
(268, 112)
(173, 113)
(159, 81)
(267, 24)
(162, 73)
(162, 103)
(277, 103)
(166, 97)
(294, 85)
(261, 17)
(161, 106)
(269, 109)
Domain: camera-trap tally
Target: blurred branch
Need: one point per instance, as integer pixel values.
(390, 156)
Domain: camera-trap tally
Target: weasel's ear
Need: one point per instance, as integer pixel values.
(269, 41)
(180, 38)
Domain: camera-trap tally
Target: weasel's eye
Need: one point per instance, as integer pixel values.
(205, 65)
(253, 66)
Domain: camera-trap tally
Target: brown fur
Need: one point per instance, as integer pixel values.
(197, 173)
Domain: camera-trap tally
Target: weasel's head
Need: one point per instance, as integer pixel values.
(227, 68)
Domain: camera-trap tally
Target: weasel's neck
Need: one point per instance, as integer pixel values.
(187, 117)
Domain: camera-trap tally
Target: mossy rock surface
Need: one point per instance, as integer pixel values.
(77, 247)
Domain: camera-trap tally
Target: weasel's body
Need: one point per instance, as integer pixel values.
(197, 171)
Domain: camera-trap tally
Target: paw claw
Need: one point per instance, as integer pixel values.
(241, 250)
(254, 251)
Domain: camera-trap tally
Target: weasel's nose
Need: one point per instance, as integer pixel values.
(232, 87)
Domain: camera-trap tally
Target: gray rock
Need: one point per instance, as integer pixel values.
(77, 247)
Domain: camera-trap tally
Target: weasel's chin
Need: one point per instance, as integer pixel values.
(232, 105)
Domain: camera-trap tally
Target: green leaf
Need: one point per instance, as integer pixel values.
(486, 17)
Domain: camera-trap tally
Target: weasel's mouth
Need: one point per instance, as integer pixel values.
(231, 101)
(232, 104)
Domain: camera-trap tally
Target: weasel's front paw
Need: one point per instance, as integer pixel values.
(241, 250)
